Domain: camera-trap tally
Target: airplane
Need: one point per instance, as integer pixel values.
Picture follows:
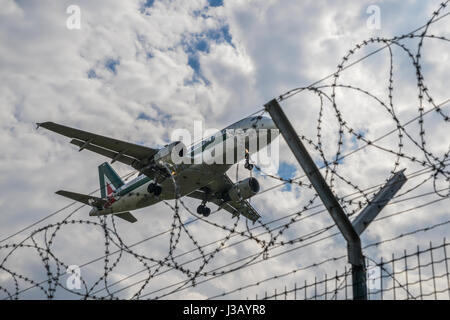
(207, 182)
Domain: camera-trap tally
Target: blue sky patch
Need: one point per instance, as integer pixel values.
(112, 64)
(202, 45)
(215, 3)
(286, 171)
(143, 116)
(194, 63)
(221, 34)
(149, 3)
(146, 4)
(161, 117)
(354, 140)
(198, 43)
(91, 74)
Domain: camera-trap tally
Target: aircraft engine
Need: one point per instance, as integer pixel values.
(244, 189)
(171, 153)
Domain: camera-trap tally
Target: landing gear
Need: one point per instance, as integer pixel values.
(203, 210)
(157, 191)
(247, 164)
(154, 188)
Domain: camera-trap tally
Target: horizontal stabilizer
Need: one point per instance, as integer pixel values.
(83, 198)
(126, 216)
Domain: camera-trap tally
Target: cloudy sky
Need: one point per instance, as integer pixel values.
(137, 70)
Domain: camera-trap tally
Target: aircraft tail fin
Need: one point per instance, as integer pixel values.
(109, 179)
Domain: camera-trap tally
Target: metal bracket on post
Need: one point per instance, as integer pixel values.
(366, 216)
(369, 213)
(349, 231)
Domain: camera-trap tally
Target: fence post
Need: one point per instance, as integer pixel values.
(326, 195)
(432, 270)
(381, 277)
(306, 293)
(446, 267)
(393, 275)
(420, 275)
(336, 286)
(406, 274)
(350, 232)
(295, 291)
(315, 288)
(346, 283)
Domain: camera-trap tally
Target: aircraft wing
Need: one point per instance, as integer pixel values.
(220, 186)
(117, 150)
(243, 207)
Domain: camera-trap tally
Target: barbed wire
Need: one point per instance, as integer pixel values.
(301, 239)
(278, 227)
(406, 285)
(271, 230)
(273, 235)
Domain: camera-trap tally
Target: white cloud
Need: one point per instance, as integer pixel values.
(275, 46)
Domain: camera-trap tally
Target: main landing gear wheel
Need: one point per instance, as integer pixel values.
(154, 188)
(247, 164)
(204, 210)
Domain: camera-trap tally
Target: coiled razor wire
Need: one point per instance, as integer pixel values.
(268, 235)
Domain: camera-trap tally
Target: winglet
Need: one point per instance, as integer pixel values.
(44, 125)
(127, 216)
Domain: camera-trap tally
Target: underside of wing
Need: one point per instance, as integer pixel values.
(242, 207)
(213, 193)
(117, 150)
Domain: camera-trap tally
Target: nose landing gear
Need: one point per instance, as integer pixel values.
(247, 164)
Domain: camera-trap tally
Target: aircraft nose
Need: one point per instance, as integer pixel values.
(266, 123)
(261, 122)
(269, 124)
